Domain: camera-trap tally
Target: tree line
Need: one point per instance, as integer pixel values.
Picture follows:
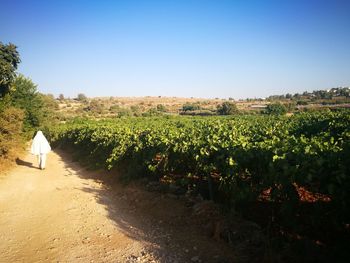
(22, 108)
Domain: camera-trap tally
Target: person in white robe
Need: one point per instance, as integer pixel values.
(40, 147)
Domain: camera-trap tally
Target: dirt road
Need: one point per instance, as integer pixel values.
(67, 214)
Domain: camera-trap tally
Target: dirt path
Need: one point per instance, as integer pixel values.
(66, 214)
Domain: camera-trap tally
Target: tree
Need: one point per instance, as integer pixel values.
(61, 97)
(276, 109)
(38, 108)
(227, 108)
(190, 107)
(288, 96)
(81, 97)
(9, 60)
(25, 96)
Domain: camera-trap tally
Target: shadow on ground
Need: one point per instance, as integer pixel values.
(160, 221)
(24, 163)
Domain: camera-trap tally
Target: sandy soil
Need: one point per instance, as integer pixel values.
(68, 214)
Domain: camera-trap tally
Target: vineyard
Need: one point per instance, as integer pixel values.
(284, 161)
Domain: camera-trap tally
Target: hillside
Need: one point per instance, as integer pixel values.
(151, 106)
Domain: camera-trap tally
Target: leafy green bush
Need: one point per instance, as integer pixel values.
(276, 109)
(227, 108)
(190, 107)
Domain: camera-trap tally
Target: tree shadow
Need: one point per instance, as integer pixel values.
(159, 221)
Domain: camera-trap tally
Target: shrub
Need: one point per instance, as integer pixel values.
(276, 109)
(190, 107)
(81, 97)
(227, 108)
(11, 122)
(161, 107)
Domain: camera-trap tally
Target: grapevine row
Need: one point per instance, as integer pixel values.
(244, 155)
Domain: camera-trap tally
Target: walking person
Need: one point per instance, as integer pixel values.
(40, 147)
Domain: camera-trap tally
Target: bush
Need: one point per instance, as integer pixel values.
(94, 107)
(152, 112)
(190, 107)
(136, 110)
(199, 113)
(124, 113)
(161, 108)
(302, 102)
(81, 97)
(11, 122)
(227, 108)
(276, 109)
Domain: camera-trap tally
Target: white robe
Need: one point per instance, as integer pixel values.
(40, 145)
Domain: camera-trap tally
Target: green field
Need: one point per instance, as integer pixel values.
(235, 160)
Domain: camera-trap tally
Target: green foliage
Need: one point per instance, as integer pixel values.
(37, 108)
(95, 107)
(25, 96)
(317, 95)
(123, 112)
(136, 110)
(245, 155)
(161, 108)
(49, 109)
(9, 60)
(276, 109)
(302, 102)
(152, 112)
(227, 108)
(249, 153)
(190, 107)
(22, 108)
(81, 97)
(203, 112)
(114, 108)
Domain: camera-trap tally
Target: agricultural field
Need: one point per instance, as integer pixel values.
(295, 167)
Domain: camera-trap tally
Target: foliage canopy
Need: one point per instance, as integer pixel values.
(9, 60)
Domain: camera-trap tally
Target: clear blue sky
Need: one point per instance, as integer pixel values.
(180, 48)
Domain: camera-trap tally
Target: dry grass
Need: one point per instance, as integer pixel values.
(173, 105)
(9, 162)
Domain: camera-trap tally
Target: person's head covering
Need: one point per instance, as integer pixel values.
(40, 145)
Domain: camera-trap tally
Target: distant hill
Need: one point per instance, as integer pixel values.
(101, 107)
